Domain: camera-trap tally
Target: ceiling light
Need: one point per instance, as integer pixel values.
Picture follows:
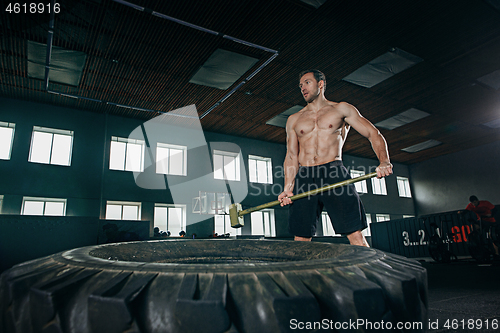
(280, 120)
(422, 146)
(223, 69)
(66, 66)
(382, 68)
(314, 3)
(493, 124)
(492, 80)
(401, 119)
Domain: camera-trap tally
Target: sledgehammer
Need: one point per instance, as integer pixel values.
(236, 213)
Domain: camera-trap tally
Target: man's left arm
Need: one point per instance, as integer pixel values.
(366, 129)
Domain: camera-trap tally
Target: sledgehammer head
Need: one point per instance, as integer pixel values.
(236, 220)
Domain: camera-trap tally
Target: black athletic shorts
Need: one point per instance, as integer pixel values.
(342, 204)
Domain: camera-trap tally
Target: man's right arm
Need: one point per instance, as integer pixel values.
(291, 164)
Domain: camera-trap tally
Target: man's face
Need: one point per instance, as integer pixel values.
(309, 87)
(475, 202)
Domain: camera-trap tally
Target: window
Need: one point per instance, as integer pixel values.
(226, 165)
(123, 210)
(126, 154)
(1, 203)
(360, 186)
(404, 187)
(367, 231)
(260, 169)
(170, 217)
(222, 226)
(6, 139)
(262, 223)
(171, 159)
(51, 146)
(327, 225)
(378, 186)
(408, 216)
(382, 217)
(43, 206)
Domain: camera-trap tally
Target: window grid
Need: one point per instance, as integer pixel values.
(222, 226)
(51, 146)
(43, 206)
(378, 186)
(327, 225)
(382, 217)
(126, 154)
(360, 186)
(262, 223)
(260, 169)
(367, 232)
(226, 165)
(171, 159)
(170, 217)
(404, 187)
(6, 139)
(116, 210)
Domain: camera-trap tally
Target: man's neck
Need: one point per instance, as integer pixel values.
(317, 103)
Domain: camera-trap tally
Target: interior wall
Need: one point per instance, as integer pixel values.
(88, 183)
(445, 183)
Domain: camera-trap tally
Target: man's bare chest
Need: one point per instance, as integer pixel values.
(325, 122)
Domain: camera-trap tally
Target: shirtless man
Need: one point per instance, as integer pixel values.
(315, 137)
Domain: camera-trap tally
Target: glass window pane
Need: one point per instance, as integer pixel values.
(267, 224)
(33, 208)
(117, 156)
(6, 136)
(162, 160)
(230, 167)
(176, 162)
(61, 149)
(114, 212)
(161, 218)
(218, 166)
(175, 220)
(40, 147)
(130, 212)
(257, 223)
(219, 222)
(54, 208)
(133, 160)
(252, 170)
(262, 171)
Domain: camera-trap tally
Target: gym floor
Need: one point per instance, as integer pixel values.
(464, 296)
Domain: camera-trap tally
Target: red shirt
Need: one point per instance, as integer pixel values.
(482, 209)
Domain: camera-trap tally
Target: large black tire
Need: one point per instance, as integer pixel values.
(215, 286)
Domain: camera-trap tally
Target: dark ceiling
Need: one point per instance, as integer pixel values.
(143, 59)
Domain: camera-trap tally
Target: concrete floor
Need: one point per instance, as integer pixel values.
(464, 296)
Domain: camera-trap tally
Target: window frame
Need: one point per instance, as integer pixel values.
(183, 224)
(386, 217)
(224, 154)
(53, 132)
(361, 186)
(44, 201)
(404, 189)
(122, 204)
(127, 142)
(268, 165)
(169, 147)
(382, 187)
(272, 223)
(11, 126)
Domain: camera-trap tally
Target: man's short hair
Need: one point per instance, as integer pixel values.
(473, 198)
(318, 75)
